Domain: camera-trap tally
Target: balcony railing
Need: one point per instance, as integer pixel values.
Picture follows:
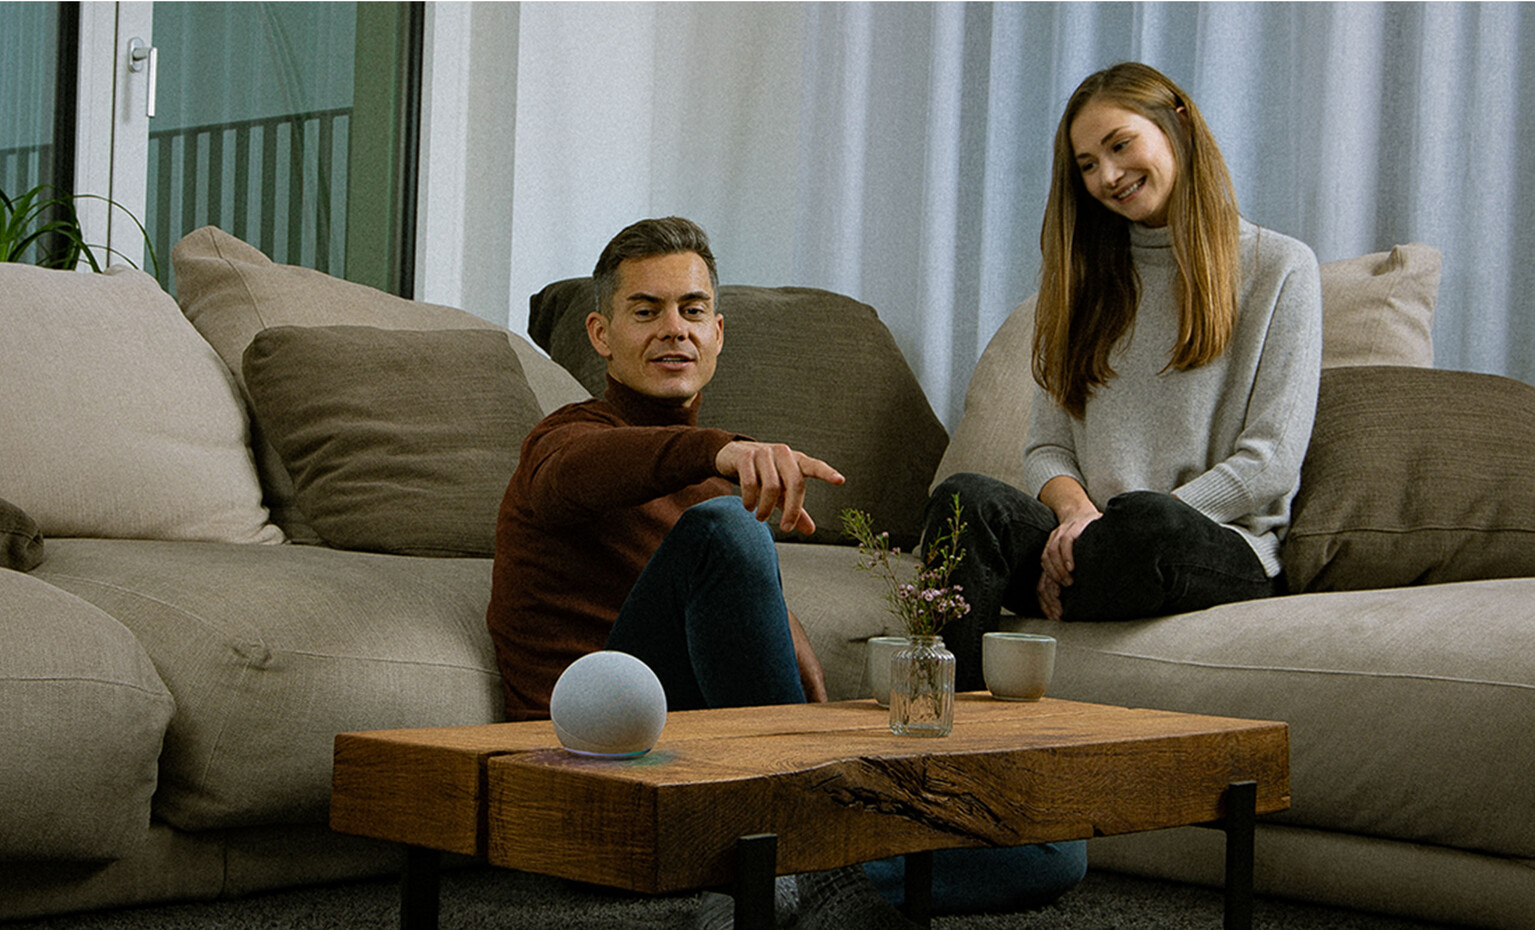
(278, 183)
(24, 167)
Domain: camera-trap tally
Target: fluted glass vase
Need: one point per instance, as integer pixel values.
(922, 688)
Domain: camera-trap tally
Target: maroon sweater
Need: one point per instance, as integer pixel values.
(599, 484)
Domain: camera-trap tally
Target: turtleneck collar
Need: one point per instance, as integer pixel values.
(1156, 245)
(644, 410)
(1152, 248)
(1146, 237)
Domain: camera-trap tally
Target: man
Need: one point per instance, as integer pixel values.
(620, 528)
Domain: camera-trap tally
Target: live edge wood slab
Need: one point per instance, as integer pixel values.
(830, 780)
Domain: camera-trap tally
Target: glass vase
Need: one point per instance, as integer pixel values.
(922, 688)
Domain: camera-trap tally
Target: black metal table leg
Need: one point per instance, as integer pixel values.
(1240, 825)
(756, 870)
(919, 888)
(420, 888)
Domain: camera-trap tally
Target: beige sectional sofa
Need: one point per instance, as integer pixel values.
(244, 524)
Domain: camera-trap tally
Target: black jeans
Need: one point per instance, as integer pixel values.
(1150, 554)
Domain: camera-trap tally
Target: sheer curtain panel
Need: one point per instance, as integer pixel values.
(900, 153)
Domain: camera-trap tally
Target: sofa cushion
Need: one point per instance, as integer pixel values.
(1376, 310)
(270, 651)
(119, 420)
(806, 367)
(1407, 707)
(21, 544)
(231, 291)
(1414, 476)
(991, 433)
(85, 714)
(396, 441)
(840, 607)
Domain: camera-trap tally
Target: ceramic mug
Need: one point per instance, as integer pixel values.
(881, 650)
(1017, 666)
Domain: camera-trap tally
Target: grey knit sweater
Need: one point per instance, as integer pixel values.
(1227, 437)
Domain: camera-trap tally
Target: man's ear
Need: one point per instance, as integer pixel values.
(719, 337)
(597, 332)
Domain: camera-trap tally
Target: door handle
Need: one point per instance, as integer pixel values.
(140, 56)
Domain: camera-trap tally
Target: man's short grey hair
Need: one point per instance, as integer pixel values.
(646, 239)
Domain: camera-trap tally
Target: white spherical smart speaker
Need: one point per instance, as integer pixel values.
(608, 704)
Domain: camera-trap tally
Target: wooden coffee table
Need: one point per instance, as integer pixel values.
(733, 797)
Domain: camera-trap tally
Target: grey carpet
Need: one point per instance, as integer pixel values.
(487, 899)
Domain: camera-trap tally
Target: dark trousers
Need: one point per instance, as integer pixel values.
(1150, 554)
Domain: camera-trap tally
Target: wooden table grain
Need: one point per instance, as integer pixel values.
(829, 781)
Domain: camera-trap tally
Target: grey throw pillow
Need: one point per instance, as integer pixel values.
(806, 367)
(1414, 476)
(397, 441)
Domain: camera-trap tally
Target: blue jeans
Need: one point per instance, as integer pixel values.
(708, 616)
(1150, 554)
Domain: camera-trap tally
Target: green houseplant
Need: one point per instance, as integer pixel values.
(43, 222)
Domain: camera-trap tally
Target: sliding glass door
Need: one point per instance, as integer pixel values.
(281, 123)
(290, 125)
(37, 116)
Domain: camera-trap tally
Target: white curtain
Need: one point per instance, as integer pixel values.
(900, 153)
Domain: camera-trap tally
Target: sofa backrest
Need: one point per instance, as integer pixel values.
(1377, 309)
(807, 367)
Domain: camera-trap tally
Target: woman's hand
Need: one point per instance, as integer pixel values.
(1058, 560)
(1074, 511)
(1049, 597)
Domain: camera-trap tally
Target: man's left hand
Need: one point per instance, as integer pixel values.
(811, 677)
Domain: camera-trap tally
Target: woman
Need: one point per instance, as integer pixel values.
(1177, 349)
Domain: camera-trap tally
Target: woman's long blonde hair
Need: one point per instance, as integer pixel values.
(1088, 287)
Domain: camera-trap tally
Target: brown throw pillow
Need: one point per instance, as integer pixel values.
(1415, 476)
(396, 440)
(807, 367)
(230, 292)
(21, 545)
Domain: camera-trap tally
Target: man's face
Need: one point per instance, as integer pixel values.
(664, 336)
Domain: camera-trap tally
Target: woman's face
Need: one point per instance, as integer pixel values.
(1126, 161)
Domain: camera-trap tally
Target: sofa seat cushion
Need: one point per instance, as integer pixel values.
(119, 421)
(1407, 707)
(840, 608)
(83, 721)
(270, 651)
